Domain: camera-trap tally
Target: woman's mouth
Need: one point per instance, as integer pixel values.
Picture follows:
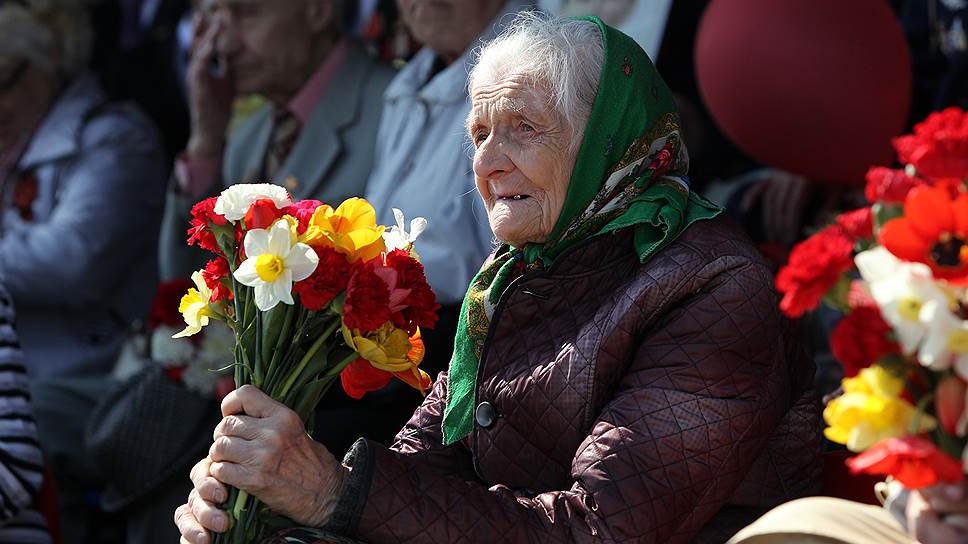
(513, 197)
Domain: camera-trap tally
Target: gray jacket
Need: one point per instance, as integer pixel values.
(84, 266)
(330, 161)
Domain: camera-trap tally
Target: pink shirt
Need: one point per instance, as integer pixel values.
(195, 175)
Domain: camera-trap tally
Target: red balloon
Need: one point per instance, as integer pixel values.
(816, 87)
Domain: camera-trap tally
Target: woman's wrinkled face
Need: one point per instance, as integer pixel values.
(523, 158)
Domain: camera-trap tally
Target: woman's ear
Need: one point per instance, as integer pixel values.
(321, 14)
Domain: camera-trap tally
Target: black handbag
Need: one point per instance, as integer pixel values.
(146, 432)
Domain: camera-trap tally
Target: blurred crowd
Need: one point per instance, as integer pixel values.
(116, 116)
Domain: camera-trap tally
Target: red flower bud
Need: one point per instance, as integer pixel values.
(949, 403)
(262, 214)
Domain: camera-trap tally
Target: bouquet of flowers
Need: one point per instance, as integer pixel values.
(311, 293)
(898, 270)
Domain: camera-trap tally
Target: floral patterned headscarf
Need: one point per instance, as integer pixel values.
(630, 173)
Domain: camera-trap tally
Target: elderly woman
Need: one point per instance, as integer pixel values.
(620, 372)
(81, 194)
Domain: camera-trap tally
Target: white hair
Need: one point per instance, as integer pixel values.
(564, 56)
(46, 32)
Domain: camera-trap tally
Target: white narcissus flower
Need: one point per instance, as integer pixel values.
(396, 237)
(273, 263)
(946, 342)
(900, 289)
(234, 201)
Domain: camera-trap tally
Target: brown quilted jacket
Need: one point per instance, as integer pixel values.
(625, 402)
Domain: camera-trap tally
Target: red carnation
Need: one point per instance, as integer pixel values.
(814, 267)
(328, 280)
(857, 223)
(367, 299)
(861, 338)
(164, 308)
(913, 461)
(421, 303)
(889, 186)
(303, 212)
(203, 214)
(360, 377)
(939, 146)
(215, 270)
(262, 213)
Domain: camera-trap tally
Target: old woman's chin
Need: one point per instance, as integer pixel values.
(518, 222)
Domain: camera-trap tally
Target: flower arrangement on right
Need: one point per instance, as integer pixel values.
(898, 270)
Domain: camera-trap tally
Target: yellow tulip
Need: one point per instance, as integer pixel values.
(871, 410)
(350, 229)
(390, 349)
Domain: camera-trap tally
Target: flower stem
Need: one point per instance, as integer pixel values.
(306, 358)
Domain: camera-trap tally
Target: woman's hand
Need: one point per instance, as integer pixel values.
(262, 448)
(938, 514)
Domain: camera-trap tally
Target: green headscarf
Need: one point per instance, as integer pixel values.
(629, 173)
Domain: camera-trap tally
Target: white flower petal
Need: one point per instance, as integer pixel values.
(301, 261)
(246, 273)
(417, 226)
(265, 298)
(282, 288)
(234, 201)
(256, 242)
(876, 264)
(279, 239)
(199, 280)
(393, 238)
(399, 217)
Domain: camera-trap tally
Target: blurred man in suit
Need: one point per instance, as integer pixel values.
(315, 135)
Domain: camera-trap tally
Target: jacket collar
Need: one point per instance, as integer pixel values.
(57, 135)
(450, 85)
(319, 142)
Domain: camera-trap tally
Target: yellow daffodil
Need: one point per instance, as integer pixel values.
(871, 410)
(390, 349)
(273, 263)
(194, 306)
(350, 229)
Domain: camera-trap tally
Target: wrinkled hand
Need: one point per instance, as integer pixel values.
(939, 514)
(262, 448)
(783, 199)
(210, 96)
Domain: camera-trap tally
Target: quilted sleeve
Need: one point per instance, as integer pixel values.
(422, 436)
(699, 400)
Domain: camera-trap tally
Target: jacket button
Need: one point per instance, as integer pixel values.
(485, 414)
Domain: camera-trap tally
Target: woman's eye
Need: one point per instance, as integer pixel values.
(479, 137)
(526, 127)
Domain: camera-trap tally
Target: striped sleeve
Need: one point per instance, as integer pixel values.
(21, 460)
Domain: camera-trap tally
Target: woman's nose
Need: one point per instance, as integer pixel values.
(491, 160)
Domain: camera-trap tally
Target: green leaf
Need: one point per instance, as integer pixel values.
(883, 213)
(273, 322)
(303, 399)
(836, 297)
